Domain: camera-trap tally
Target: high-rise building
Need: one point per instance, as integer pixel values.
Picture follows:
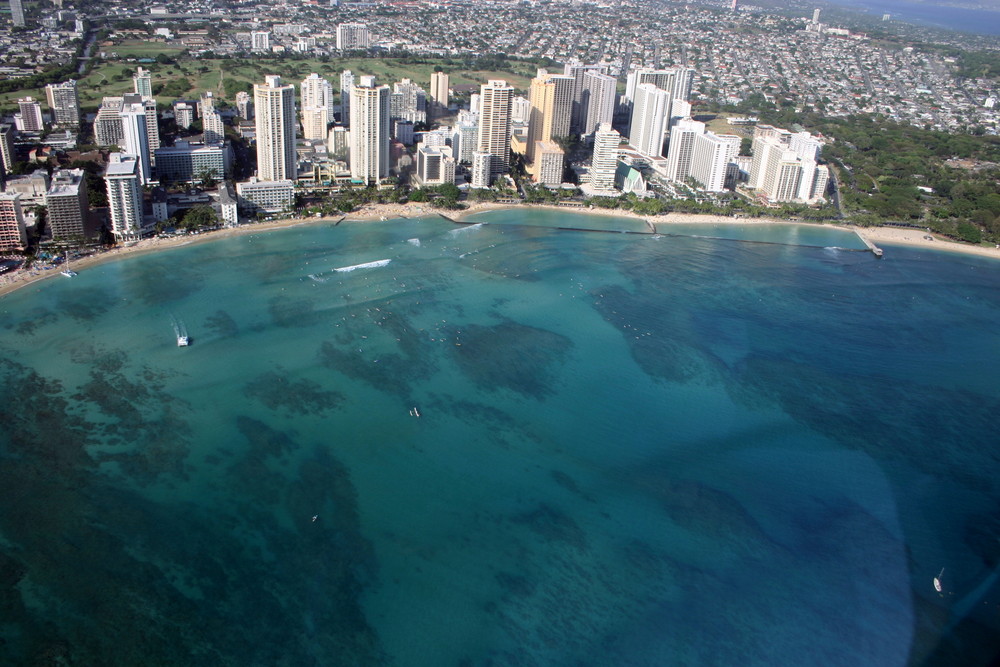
(244, 105)
(351, 36)
(260, 41)
(710, 161)
(346, 83)
(29, 119)
(13, 235)
(604, 162)
(152, 126)
(439, 90)
(494, 124)
(122, 178)
(435, 165)
(108, 123)
(7, 155)
(317, 106)
(464, 138)
(408, 102)
(551, 101)
(520, 110)
(597, 101)
(680, 153)
(370, 114)
(213, 129)
(135, 137)
(67, 205)
(650, 113)
(578, 70)
(481, 169)
(678, 81)
(142, 82)
(784, 166)
(183, 114)
(274, 109)
(17, 13)
(474, 102)
(63, 101)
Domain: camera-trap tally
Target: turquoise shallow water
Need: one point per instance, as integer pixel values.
(632, 450)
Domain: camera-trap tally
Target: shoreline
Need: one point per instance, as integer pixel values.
(904, 236)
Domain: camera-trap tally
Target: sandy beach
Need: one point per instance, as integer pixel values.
(376, 212)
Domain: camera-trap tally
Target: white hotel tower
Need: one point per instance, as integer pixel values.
(274, 106)
(369, 131)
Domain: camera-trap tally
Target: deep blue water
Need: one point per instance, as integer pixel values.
(980, 21)
(632, 450)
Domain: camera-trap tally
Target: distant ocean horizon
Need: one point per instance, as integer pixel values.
(733, 444)
(963, 19)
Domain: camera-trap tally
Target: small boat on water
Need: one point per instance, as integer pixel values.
(68, 272)
(937, 582)
(414, 412)
(183, 341)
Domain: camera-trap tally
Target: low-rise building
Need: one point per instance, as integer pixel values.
(256, 196)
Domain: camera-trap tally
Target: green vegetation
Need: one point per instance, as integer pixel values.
(975, 64)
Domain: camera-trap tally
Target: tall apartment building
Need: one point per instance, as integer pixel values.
(29, 117)
(464, 138)
(183, 114)
(370, 124)
(650, 114)
(597, 101)
(494, 124)
(213, 129)
(122, 177)
(338, 143)
(63, 101)
(578, 70)
(604, 162)
(439, 90)
(408, 102)
(680, 153)
(346, 83)
(550, 99)
(135, 136)
(784, 166)
(108, 122)
(316, 95)
(244, 105)
(152, 126)
(274, 109)
(7, 155)
(142, 82)
(710, 161)
(67, 204)
(13, 235)
(352, 36)
(17, 13)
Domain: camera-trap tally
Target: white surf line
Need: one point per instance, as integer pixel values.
(366, 265)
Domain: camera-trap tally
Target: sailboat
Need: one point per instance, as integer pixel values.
(937, 581)
(68, 272)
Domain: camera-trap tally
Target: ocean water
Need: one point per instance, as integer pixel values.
(632, 449)
(981, 20)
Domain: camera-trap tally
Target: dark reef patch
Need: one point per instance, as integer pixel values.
(84, 304)
(553, 525)
(37, 318)
(275, 390)
(292, 312)
(510, 356)
(221, 323)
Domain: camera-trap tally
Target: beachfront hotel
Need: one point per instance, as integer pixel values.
(369, 138)
(123, 178)
(274, 109)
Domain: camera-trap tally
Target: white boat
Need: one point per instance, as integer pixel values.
(937, 582)
(183, 341)
(180, 332)
(68, 272)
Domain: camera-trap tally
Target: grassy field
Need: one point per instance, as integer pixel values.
(115, 77)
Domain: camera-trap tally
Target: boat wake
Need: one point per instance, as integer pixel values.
(415, 242)
(366, 265)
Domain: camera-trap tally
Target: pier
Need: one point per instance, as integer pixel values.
(871, 246)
